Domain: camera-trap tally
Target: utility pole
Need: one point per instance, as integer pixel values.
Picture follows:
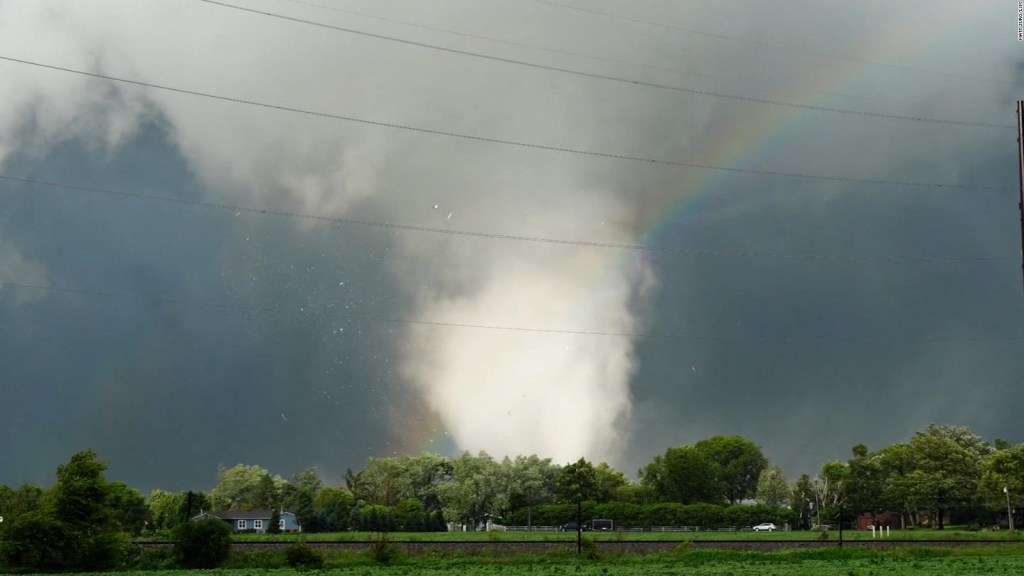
(1009, 511)
(579, 524)
(840, 526)
(1020, 174)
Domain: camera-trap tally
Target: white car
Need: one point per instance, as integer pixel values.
(766, 527)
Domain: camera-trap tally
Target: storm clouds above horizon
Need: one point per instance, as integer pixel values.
(294, 277)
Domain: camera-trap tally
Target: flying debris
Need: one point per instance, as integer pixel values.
(283, 417)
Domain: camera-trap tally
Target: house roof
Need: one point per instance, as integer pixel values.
(245, 514)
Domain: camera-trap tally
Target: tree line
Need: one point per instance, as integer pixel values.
(942, 473)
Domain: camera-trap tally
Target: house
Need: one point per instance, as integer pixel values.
(884, 519)
(253, 520)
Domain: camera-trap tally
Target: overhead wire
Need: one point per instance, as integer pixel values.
(492, 235)
(435, 323)
(610, 78)
(507, 142)
(777, 45)
(670, 70)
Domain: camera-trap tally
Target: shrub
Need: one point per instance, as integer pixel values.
(383, 550)
(202, 543)
(301, 556)
(37, 540)
(152, 559)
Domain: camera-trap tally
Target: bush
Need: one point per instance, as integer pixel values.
(37, 540)
(152, 559)
(202, 543)
(383, 550)
(302, 556)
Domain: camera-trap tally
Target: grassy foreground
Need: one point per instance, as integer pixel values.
(917, 534)
(1008, 559)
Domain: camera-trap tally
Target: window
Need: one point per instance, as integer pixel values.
(241, 524)
(257, 524)
(282, 524)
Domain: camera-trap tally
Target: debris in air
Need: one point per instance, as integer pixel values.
(435, 206)
(283, 417)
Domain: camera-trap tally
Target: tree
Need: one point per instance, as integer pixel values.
(1003, 469)
(305, 487)
(245, 488)
(275, 522)
(831, 489)
(577, 482)
(384, 482)
(609, 481)
(772, 488)
(478, 488)
(202, 543)
(684, 475)
(38, 541)
(739, 463)
(532, 483)
(128, 507)
(866, 483)
(27, 498)
(80, 503)
(802, 499)
(947, 468)
(897, 466)
(164, 509)
(334, 507)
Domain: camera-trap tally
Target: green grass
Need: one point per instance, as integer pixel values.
(907, 561)
(916, 534)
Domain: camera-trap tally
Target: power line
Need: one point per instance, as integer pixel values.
(778, 45)
(491, 235)
(408, 321)
(618, 79)
(361, 317)
(675, 71)
(495, 40)
(517, 143)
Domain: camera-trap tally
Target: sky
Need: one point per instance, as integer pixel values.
(305, 233)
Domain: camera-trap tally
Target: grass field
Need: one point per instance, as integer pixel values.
(1007, 559)
(917, 534)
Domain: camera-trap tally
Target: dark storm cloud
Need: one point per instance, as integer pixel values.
(805, 356)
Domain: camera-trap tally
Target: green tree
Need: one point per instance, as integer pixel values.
(866, 483)
(81, 504)
(1003, 469)
(37, 540)
(128, 507)
(609, 481)
(27, 498)
(275, 522)
(831, 488)
(739, 463)
(300, 503)
(334, 507)
(772, 488)
(802, 499)
(384, 482)
(577, 482)
(246, 488)
(478, 488)
(532, 483)
(684, 475)
(202, 543)
(947, 468)
(164, 509)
